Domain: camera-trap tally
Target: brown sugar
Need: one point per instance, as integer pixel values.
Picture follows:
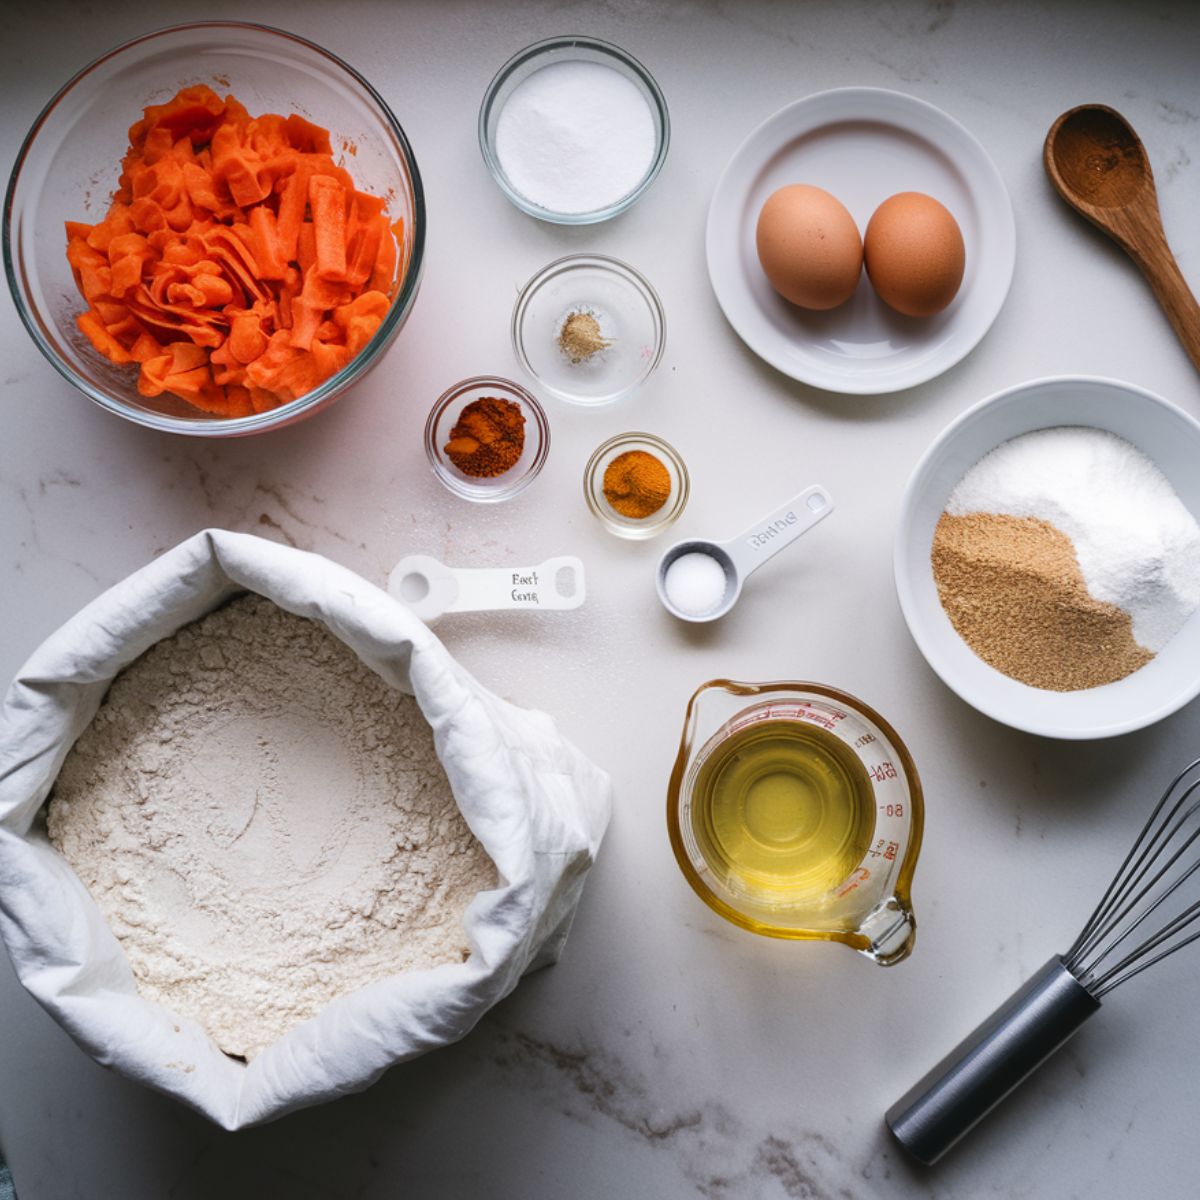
(488, 438)
(1013, 589)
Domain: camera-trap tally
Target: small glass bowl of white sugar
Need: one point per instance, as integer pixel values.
(574, 130)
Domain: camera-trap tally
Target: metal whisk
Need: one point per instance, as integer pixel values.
(1147, 913)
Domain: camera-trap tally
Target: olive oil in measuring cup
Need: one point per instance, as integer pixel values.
(794, 810)
(783, 812)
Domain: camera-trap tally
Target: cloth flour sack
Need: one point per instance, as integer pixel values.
(535, 803)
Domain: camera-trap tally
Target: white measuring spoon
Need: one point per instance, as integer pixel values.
(431, 588)
(739, 557)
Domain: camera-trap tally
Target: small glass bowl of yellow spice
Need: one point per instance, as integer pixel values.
(636, 485)
(589, 329)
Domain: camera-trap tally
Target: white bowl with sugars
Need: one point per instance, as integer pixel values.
(1169, 437)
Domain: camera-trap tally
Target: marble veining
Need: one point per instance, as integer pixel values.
(713, 1148)
(668, 1054)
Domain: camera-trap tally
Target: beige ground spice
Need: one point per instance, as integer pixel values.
(581, 337)
(1013, 590)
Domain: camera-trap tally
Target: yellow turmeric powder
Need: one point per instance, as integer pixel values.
(636, 484)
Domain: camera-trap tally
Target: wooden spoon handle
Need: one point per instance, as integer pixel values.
(1162, 271)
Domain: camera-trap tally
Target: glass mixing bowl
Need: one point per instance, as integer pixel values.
(69, 163)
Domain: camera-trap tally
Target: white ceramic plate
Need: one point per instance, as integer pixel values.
(862, 145)
(1166, 435)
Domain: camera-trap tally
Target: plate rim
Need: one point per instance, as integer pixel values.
(918, 374)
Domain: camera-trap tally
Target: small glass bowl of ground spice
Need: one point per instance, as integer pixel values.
(636, 485)
(589, 329)
(487, 438)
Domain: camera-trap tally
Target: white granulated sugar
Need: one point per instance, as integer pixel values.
(575, 137)
(265, 825)
(1137, 545)
(695, 583)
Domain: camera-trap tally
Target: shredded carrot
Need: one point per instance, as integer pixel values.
(237, 267)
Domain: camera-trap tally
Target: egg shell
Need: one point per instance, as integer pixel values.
(914, 254)
(809, 246)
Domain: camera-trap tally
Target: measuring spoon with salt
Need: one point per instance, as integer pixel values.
(683, 579)
(430, 588)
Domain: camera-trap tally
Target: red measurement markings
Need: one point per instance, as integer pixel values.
(885, 850)
(816, 718)
(857, 876)
(882, 772)
(865, 740)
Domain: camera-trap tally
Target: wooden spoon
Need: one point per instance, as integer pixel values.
(1098, 165)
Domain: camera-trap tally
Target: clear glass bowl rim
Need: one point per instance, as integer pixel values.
(499, 491)
(650, 526)
(617, 267)
(565, 41)
(286, 413)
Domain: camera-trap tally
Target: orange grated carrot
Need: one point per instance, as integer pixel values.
(238, 267)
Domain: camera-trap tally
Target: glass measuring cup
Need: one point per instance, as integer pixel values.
(865, 902)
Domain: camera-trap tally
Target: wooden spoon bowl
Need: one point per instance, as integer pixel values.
(1098, 157)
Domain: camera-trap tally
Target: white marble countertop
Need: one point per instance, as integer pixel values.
(668, 1054)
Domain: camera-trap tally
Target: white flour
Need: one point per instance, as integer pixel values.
(265, 825)
(1137, 545)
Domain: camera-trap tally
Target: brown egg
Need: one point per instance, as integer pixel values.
(914, 254)
(809, 247)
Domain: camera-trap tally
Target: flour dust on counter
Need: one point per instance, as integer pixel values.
(265, 825)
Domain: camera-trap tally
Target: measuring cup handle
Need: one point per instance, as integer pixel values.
(765, 538)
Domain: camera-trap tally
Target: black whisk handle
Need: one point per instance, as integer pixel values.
(982, 1069)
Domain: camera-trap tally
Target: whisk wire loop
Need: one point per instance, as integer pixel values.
(1119, 973)
(1163, 858)
(1105, 929)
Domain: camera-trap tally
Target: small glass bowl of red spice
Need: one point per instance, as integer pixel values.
(636, 485)
(487, 438)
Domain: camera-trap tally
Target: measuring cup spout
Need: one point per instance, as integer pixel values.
(890, 929)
